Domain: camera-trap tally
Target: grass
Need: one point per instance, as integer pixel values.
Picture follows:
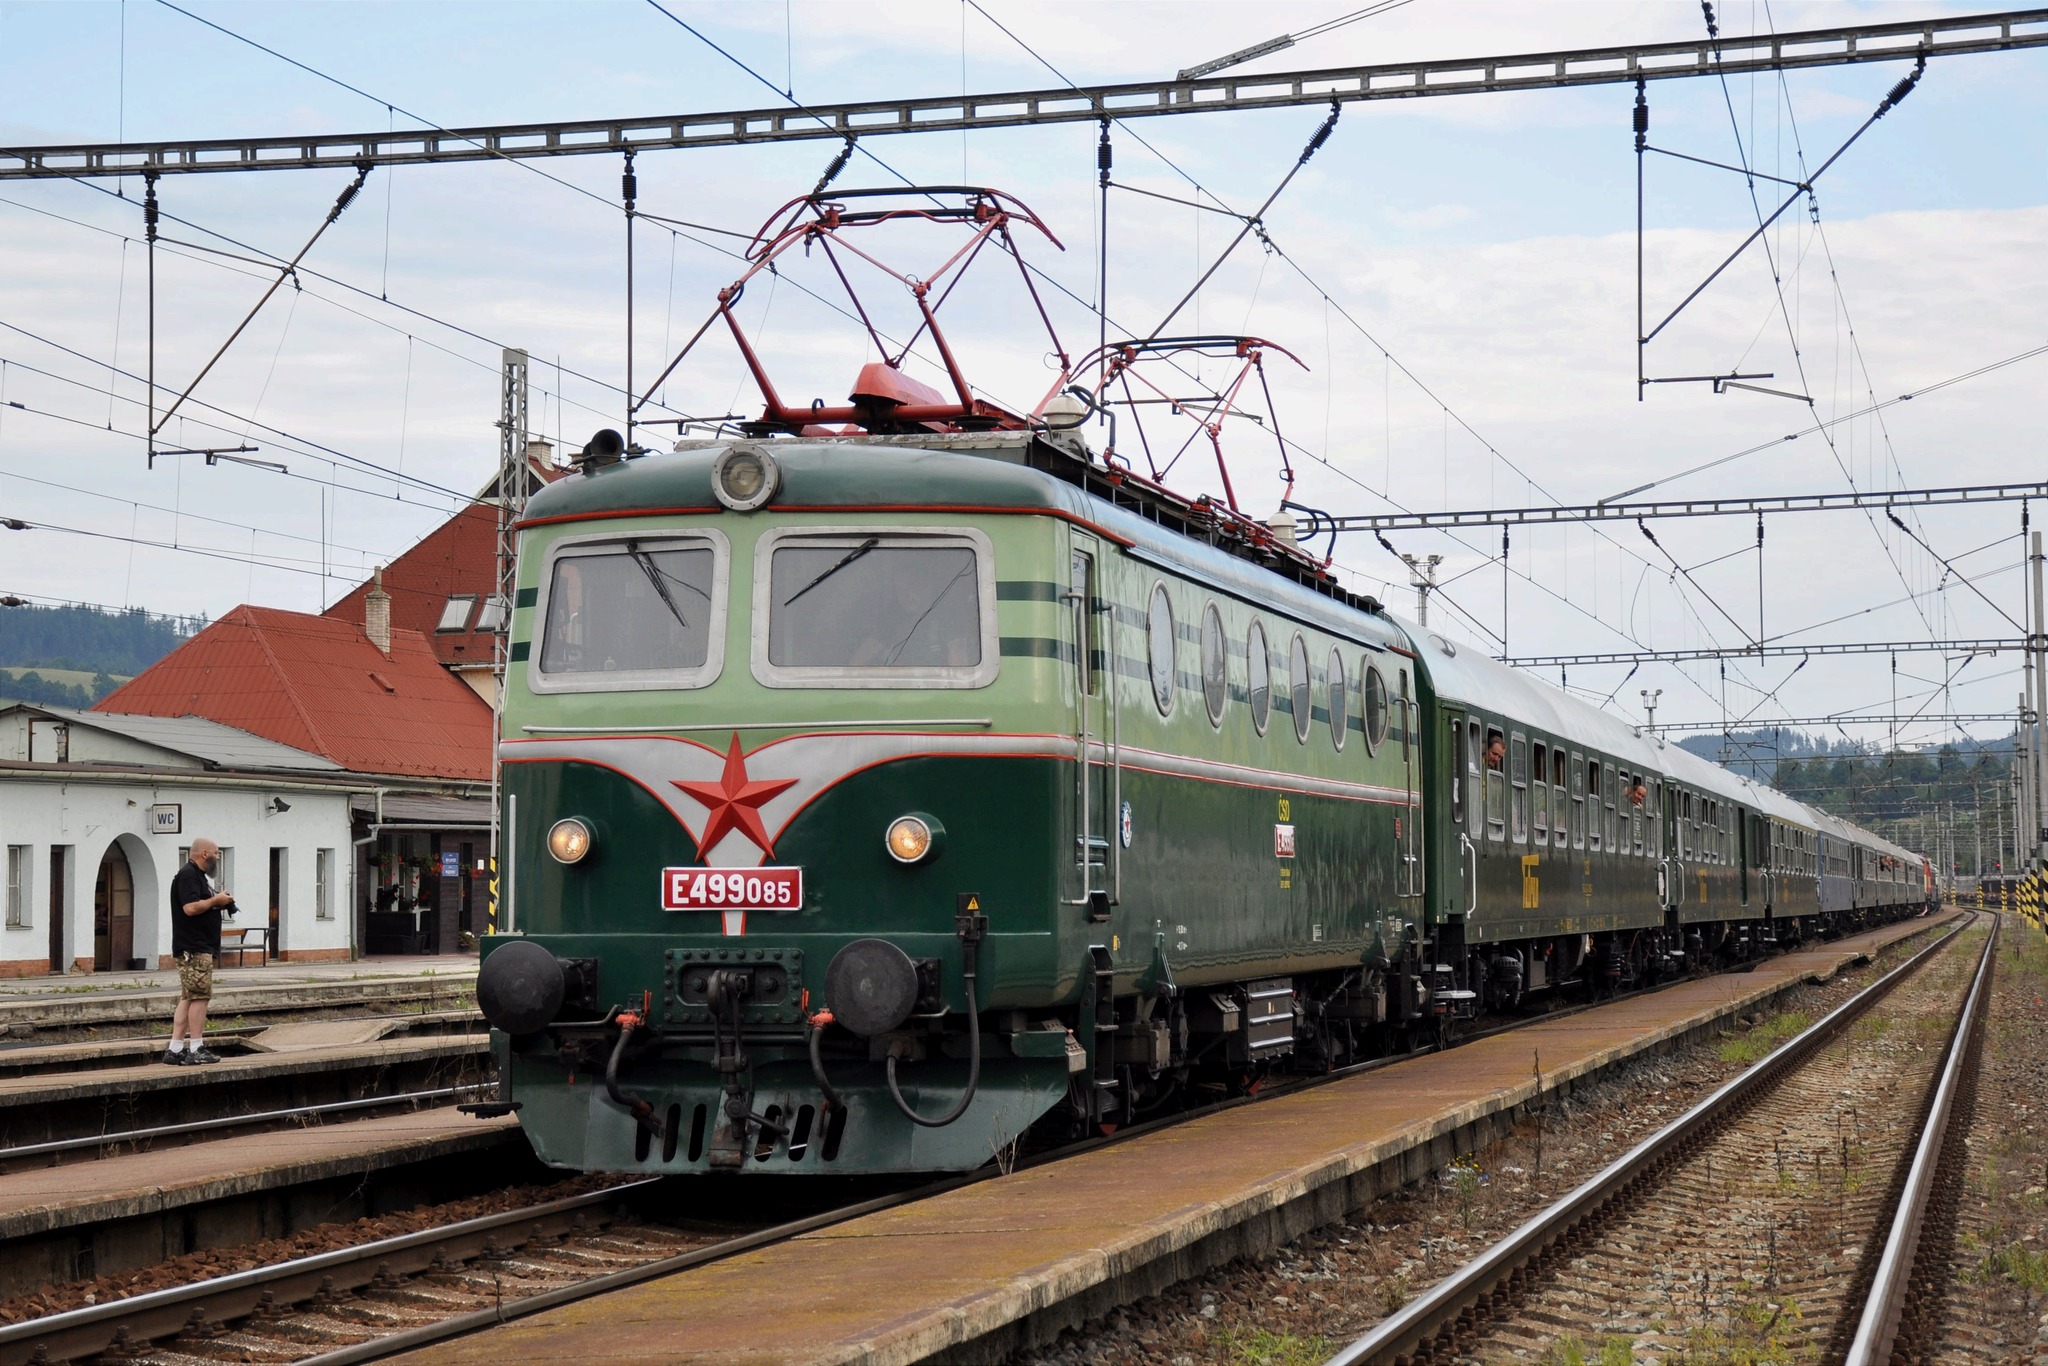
(1765, 1037)
(1755, 1334)
(1263, 1347)
(1569, 1351)
(2027, 1270)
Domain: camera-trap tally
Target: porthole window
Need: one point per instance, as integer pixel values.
(1214, 681)
(1159, 637)
(1298, 687)
(1340, 700)
(1258, 676)
(1376, 710)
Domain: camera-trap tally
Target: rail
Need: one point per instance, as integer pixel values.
(66, 1145)
(1877, 1331)
(1465, 1291)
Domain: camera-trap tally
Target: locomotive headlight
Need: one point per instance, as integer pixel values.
(569, 840)
(745, 477)
(914, 838)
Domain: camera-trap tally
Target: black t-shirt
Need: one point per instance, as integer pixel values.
(193, 933)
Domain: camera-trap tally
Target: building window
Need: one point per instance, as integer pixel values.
(225, 874)
(455, 613)
(17, 886)
(323, 884)
(491, 616)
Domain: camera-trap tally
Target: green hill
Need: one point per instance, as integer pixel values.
(73, 656)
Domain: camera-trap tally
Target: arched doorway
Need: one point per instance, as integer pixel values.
(113, 912)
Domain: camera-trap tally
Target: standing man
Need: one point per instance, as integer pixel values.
(196, 905)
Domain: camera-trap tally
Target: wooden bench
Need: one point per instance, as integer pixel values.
(240, 941)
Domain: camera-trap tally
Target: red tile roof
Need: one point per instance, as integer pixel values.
(318, 684)
(458, 557)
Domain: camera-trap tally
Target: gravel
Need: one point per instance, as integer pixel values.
(1299, 1304)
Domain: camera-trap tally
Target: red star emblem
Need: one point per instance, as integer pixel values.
(735, 803)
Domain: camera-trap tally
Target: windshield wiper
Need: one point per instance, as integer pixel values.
(658, 579)
(863, 548)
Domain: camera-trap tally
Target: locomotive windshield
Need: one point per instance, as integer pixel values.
(861, 603)
(629, 607)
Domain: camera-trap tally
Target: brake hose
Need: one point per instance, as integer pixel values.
(641, 1110)
(968, 944)
(815, 1026)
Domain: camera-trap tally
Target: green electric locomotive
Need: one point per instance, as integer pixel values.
(886, 786)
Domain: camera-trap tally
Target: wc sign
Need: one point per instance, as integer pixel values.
(167, 818)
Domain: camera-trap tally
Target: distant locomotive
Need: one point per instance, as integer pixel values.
(875, 797)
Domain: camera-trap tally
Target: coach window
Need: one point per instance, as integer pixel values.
(1559, 817)
(1496, 784)
(1635, 811)
(1614, 836)
(1408, 710)
(1579, 802)
(1298, 687)
(623, 613)
(1475, 765)
(1656, 815)
(1541, 820)
(1595, 822)
(1159, 649)
(1339, 688)
(1258, 676)
(1215, 690)
(1460, 763)
(1518, 798)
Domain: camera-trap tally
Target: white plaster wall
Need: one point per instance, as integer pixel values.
(90, 816)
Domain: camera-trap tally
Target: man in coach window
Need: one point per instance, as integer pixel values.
(196, 904)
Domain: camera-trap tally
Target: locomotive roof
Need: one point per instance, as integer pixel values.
(976, 471)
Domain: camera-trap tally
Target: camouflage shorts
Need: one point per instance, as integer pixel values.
(195, 976)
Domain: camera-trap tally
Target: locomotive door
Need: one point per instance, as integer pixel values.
(1409, 835)
(1098, 790)
(1671, 869)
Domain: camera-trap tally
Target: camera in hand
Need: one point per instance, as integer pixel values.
(229, 909)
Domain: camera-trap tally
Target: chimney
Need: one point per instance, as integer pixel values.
(377, 612)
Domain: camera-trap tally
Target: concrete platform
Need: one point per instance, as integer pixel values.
(971, 1274)
(32, 1006)
(138, 1208)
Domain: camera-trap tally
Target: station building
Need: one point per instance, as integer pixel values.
(343, 770)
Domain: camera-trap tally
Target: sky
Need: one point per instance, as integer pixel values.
(1456, 276)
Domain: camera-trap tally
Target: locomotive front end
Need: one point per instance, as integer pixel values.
(781, 827)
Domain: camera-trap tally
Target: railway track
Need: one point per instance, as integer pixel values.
(1753, 1222)
(363, 1303)
(360, 1303)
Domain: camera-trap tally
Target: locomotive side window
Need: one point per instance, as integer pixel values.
(1087, 636)
(1258, 681)
(874, 607)
(1560, 819)
(1518, 799)
(1159, 644)
(1339, 689)
(1541, 819)
(632, 613)
(1496, 784)
(1215, 690)
(1376, 709)
(1298, 682)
